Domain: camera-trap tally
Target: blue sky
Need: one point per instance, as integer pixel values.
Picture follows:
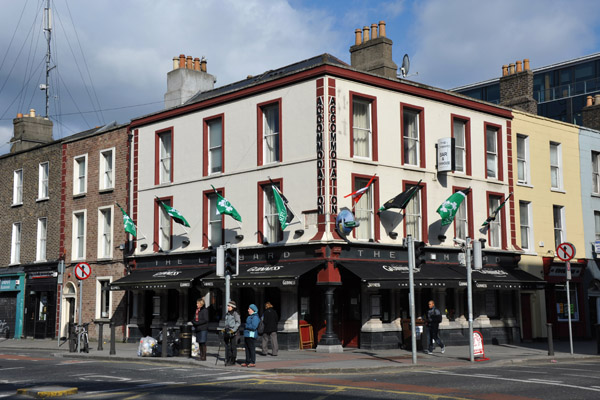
(112, 56)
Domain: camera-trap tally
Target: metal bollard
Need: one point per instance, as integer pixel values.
(113, 350)
(165, 341)
(550, 340)
(100, 335)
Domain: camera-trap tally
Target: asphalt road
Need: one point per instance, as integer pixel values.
(97, 379)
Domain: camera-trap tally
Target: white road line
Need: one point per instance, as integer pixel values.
(230, 378)
(595, 387)
(6, 369)
(525, 371)
(485, 375)
(543, 380)
(527, 381)
(583, 376)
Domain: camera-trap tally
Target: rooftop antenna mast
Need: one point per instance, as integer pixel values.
(48, 34)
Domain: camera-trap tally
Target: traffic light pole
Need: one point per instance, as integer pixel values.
(411, 284)
(469, 297)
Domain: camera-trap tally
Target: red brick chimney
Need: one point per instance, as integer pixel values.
(372, 51)
(516, 87)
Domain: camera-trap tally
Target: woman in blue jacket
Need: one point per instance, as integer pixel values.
(250, 335)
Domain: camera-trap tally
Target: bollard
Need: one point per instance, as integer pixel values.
(165, 340)
(550, 340)
(113, 351)
(100, 338)
(72, 338)
(186, 340)
(598, 338)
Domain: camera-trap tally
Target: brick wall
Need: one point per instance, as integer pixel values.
(516, 91)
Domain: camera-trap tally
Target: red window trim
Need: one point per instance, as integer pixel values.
(259, 130)
(421, 112)
(498, 144)
(169, 201)
(503, 242)
(467, 122)
(157, 153)
(261, 209)
(375, 186)
(205, 142)
(469, 200)
(205, 217)
(374, 141)
(424, 221)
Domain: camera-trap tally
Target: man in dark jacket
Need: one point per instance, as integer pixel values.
(270, 320)
(432, 320)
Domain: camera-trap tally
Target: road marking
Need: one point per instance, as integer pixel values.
(230, 378)
(485, 375)
(6, 369)
(540, 381)
(525, 371)
(543, 380)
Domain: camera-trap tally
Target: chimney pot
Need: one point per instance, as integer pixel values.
(597, 100)
(32, 112)
(381, 28)
(189, 62)
(511, 68)
(365, 34)
(589, 101)
(519, 68)
(203, 64)
(175, 62)
(504, 70)
(526, 64)
(196, 64)
(182, 61)
(373, 31)
(20, 115)
(357, 37)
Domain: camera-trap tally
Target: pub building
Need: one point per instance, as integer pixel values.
(317, 130)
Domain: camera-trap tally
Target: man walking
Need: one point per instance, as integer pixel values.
(270, 320)
(432, 320)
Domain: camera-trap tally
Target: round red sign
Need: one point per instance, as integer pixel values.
(83, 270)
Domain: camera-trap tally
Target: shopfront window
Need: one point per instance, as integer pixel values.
(561, 303)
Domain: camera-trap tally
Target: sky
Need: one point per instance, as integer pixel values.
(110, 58)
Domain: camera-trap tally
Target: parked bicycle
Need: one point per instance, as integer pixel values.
(4, 329)
(79, 337)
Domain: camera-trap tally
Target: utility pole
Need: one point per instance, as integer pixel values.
(469, 297)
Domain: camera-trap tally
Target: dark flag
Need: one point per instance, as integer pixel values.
(401, 201)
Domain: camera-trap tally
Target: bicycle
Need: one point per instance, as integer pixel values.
(4, 329)
(80, 337)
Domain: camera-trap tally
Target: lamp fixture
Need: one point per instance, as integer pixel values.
(143, 246)
(393, 235)
(239, 237)
(185, 242)
(299, 232)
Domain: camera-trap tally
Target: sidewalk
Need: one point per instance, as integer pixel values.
(351, 360)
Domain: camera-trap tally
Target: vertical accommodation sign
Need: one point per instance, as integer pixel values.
(332, 148)
(320, 148)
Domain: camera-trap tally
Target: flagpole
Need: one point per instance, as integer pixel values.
(287, 203)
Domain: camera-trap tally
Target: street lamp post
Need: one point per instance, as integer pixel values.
(469, 297)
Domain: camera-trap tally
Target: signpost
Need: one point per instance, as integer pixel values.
(566, 251)
(82, 272)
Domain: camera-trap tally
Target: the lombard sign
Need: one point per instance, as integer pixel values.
(445, 152)
(264, 268)
(398, 268)
(166, 274)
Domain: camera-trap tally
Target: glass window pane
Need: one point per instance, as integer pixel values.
(361, 123)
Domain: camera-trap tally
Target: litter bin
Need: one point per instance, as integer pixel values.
(420, 333)
(185, 339)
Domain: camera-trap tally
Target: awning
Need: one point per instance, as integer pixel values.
(501, 278)
(390, 275)
(160, 278)
(264, 274)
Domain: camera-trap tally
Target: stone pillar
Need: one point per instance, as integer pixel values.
(288, 320)
(480, 317)
(183, 306)
(440, 302)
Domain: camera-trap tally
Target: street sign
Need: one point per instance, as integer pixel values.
(565, 251)
(83, 271)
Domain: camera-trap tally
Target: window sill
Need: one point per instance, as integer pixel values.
(367, 161)
(42, 199)
(16, 204)
(78, 195)
(527, 185)
(14, 263)
(107, 258)
(106, 190)
(40, 261)
(595, 195)
(557, 190)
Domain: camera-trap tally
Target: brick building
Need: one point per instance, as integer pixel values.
(94, 181)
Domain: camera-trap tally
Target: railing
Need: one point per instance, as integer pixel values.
(567, 90)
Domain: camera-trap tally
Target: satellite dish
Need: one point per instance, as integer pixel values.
(405, 66)
(345, 222)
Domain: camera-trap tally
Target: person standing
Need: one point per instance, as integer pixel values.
(201, 324)
(270, 320)
(230, 336)
(250, 335)
(432, 320)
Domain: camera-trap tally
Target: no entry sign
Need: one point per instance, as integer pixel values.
(82, 270)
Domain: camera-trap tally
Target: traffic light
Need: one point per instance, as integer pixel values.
(231, 260)
(419, 254)
(220, 261)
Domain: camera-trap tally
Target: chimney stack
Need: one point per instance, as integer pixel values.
(373, 53)
(590, 114)
(516, 87)
(30, 131)
(187, 78)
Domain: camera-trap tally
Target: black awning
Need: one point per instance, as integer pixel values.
(160, 278)
(265, 275)
(395, 275)
(501, 278)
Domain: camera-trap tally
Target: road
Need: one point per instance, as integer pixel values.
(98, 379)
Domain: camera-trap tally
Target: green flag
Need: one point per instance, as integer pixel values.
(225, 207)
(449, 208)
(496, 211)
(176, 215)
(284, 213)
(128, 222)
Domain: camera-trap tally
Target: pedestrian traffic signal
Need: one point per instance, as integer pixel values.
(419, 254)
(231, 260)
(220, 261)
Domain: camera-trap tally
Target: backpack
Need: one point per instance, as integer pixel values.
(261, 327)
